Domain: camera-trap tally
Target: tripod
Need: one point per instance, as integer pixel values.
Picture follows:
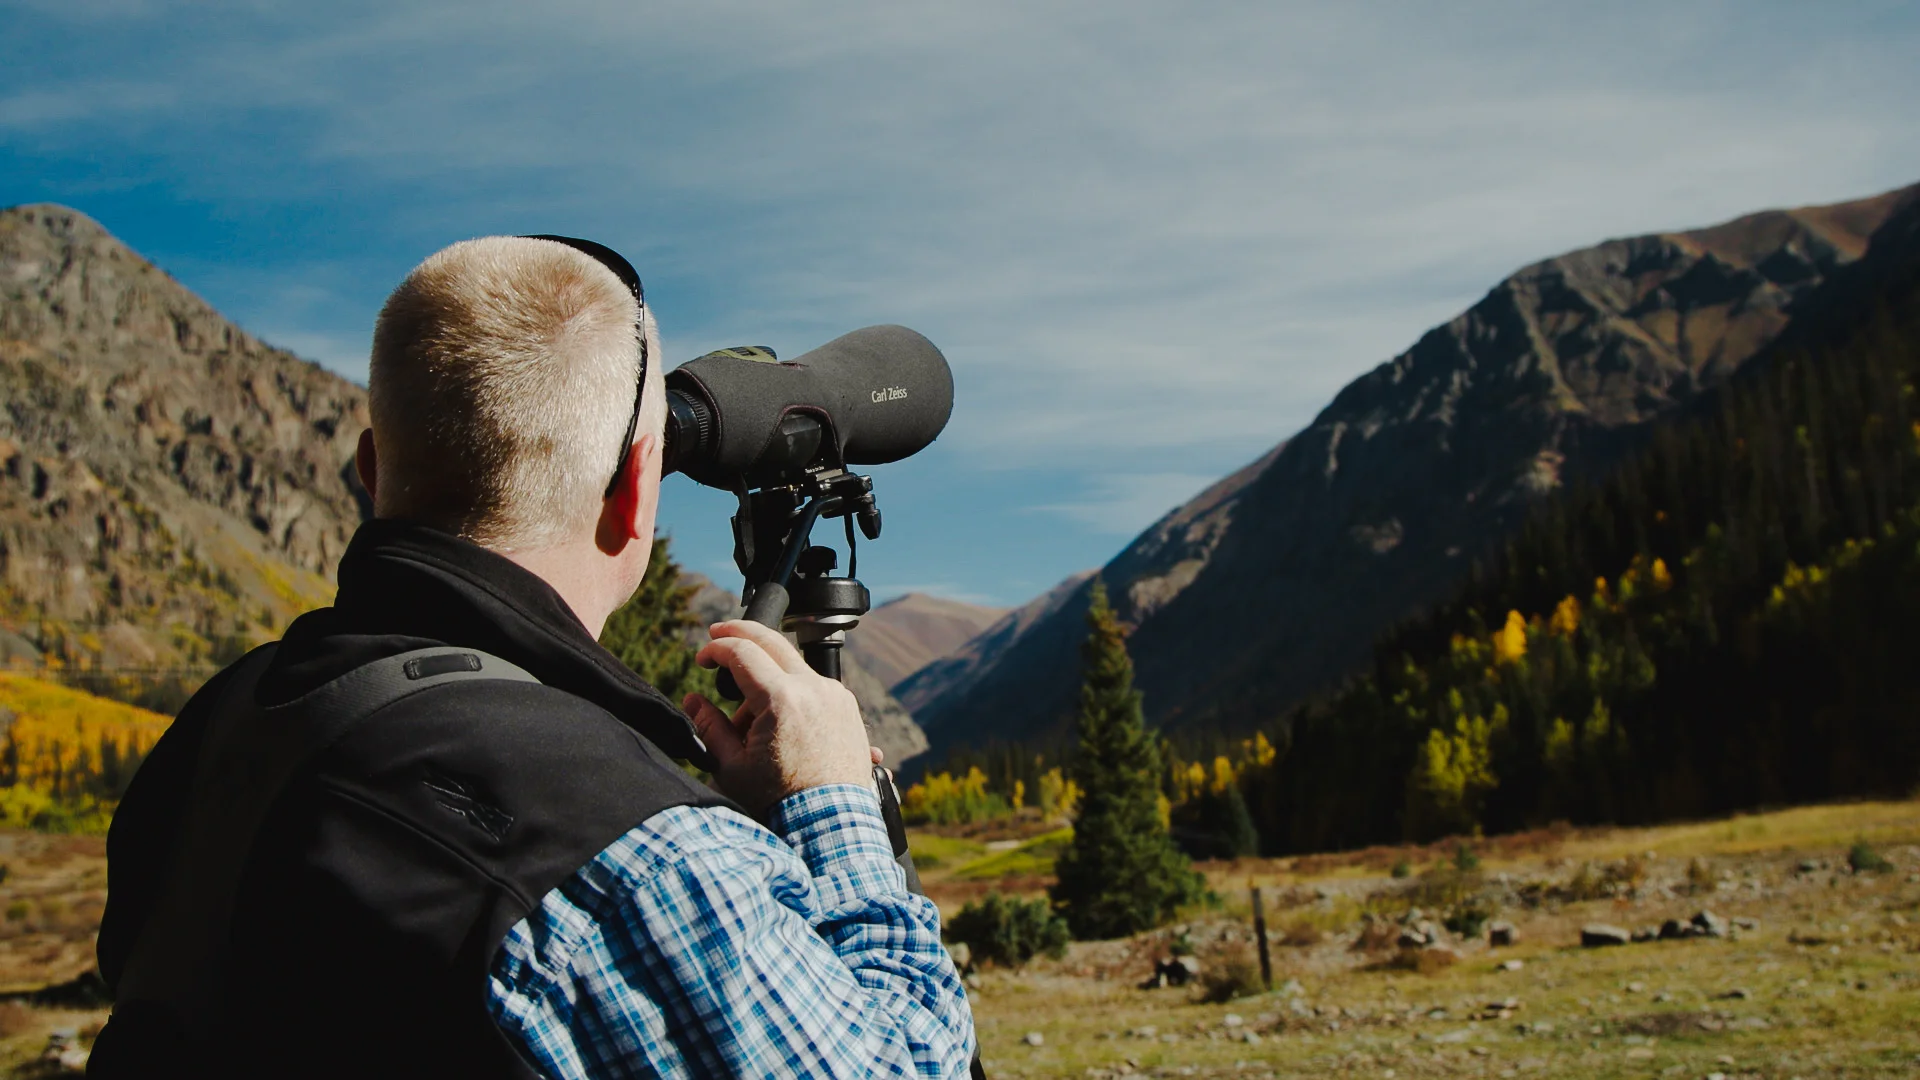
(791, 586)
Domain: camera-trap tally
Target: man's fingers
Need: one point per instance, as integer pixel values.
(772, 641)
(879, 756)
(752, 668)
(714, 728)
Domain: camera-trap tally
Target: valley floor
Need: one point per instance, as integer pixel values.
(1825, 983)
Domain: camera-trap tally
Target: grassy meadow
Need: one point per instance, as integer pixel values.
(1825, 983)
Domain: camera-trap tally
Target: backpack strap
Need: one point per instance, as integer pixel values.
(175, 974)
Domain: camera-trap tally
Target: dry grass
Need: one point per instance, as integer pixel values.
(1418, 961)
(1831, 976)
(1231, 975)
(1302, 933)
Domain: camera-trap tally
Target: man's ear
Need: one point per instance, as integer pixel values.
(628, 513)
(366, 462)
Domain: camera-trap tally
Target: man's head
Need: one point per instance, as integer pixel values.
(502, 381)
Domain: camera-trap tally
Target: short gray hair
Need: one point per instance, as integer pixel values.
(501, 380)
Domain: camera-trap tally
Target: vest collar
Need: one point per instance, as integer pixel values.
(404, 586)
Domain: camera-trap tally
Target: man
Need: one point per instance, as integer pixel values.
(382, 848)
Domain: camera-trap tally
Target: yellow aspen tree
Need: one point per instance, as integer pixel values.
(1222, 774)
(1566, 618)
(1510, 641)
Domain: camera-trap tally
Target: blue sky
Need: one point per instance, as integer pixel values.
(1153, 238)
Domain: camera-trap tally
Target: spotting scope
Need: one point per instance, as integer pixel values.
(741, 419)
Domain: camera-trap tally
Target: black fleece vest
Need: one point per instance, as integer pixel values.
(394, 854)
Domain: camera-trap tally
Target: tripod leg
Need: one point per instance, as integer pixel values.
(896, 826)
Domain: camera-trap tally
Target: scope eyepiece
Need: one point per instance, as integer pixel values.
(690, 430)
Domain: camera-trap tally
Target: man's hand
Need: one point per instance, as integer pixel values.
(796, 729)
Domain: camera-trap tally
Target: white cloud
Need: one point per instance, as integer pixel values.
(1122, 504)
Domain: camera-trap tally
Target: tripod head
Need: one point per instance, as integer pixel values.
(790, 584)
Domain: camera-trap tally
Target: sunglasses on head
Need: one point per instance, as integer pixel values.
(623, 270)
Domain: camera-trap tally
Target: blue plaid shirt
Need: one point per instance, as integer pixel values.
(700, 944)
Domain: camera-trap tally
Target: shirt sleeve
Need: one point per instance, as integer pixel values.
(701, 944)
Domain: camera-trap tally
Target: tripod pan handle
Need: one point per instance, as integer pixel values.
(768, 608)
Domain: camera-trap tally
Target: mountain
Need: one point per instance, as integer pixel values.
(172, 490)
(1711, 627)
(1275, 582)
(960, 672)
(889, 725)
(905, 634)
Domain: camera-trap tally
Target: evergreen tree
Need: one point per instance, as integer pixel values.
(1215, 824)
(651, 632)
(1122, 873)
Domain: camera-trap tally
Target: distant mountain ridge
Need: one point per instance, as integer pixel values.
(1276, 580)
(964, 668)
(172, 490)
(908, 632)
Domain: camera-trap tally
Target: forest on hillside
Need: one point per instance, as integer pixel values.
(1714, 625)
(66, 756)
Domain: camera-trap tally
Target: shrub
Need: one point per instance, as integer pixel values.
(1628, 873)
(1009, 931)
(1376, 935)
(1464, 860)
(1234, 975)
(1621, 878)
(1422, 961)
(1402, 869)
(1470, 917)
(1699, 877)
(1865, 860)
(1444, 887)
(1302, 933)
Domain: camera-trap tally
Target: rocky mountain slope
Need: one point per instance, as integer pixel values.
(905, 634)
(1276, 580)
(171, 488)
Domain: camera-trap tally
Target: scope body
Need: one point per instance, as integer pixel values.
(739, 419)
